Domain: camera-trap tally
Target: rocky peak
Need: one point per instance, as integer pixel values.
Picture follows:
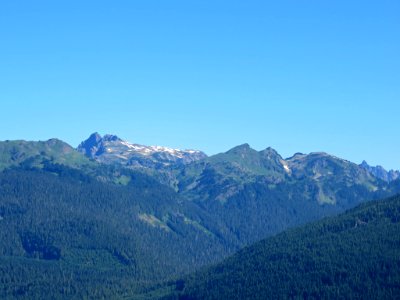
(365, 165)
(380, 172)
(90, 146)
(241, 150)
(112, 149)
(111, 138)
(271, 153)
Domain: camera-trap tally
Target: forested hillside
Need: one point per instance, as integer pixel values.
(258, 193)
(66, 234)
(352, 256)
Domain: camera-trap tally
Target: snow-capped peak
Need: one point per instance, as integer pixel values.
(111, 148)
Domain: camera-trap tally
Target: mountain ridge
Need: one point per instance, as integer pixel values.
(14, 153)
(380, 172)
(112, 149)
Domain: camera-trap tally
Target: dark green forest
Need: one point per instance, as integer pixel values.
(353, 256)
(66, 234)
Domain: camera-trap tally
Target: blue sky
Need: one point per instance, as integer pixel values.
(299, 76)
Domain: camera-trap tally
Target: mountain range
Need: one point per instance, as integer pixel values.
(111, 149)
(112, 218)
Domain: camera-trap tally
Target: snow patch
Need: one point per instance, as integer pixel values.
(148, 150)
(286, 166)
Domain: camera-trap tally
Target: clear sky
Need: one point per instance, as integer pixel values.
(299, 76)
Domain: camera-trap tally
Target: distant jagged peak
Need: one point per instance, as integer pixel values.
(366, 165)
(91, 145)
(380, 172)
(95, 137)
(110, 149)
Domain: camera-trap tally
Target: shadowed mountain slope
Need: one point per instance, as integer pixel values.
(355, 256)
